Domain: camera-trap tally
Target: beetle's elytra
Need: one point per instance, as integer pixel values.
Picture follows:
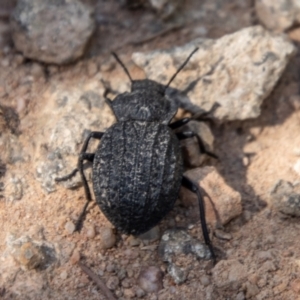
(137, 167)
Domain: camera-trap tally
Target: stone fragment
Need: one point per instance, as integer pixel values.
(285, 197)
(31, 254)
(108, 238)
(222, 203)
(70, 227)
(54, 32)
(91, 232)
(278, 15)
(229, 274)
(112, 282)
(177, 242)
(191, 153)
(129, 293)
(178, 274)
(238, 71)
(150, 279)
(205, 280)
(75, 258)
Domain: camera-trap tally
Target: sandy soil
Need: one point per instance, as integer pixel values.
(253, 156)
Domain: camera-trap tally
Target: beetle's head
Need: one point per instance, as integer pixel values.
(146, 102)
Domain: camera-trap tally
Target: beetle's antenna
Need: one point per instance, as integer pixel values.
(122, 65)
(181, 67)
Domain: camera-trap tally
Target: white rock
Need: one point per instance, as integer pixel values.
(238, 70)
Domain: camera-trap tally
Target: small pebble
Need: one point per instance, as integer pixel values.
(91, 233)
(178, 274)
(130, 273)
(131, 254)
(18, 59)
(150, 279)
(205, 280)
(112, 282)
(129, 293)
(122, 274)
(63, 275)
(240, 296)
(70, 227)
(110, 267)
(29, 255)
(285, 197)
(126, 283)
(5, 62)
(140, 293)
(223, 235)
(108, 238)
(133, 242)
(75, 257)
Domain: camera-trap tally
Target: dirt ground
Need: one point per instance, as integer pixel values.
(253, 156)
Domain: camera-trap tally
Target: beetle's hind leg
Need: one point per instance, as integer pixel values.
(189, 134)
(190, 185)
(82, 157)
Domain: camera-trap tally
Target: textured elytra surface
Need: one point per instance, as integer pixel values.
(137, 174)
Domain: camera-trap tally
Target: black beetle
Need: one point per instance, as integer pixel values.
(137, 167)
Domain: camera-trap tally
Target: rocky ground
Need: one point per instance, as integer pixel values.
(52, 81)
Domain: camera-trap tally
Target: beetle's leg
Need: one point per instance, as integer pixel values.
(96, 135)
(83, 156)
(106, 92)
(179, 123)
(86, 156)
(206, 115)
(189, 134)
(201, 116)
(190, 185)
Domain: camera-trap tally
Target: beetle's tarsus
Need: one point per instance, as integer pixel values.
(187, 183)
(66, 177)
(81, 217)
(179, 123)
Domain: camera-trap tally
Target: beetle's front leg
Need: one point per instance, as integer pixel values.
(190, 185)
(189, 134)
(202, 116)
(84, 156)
